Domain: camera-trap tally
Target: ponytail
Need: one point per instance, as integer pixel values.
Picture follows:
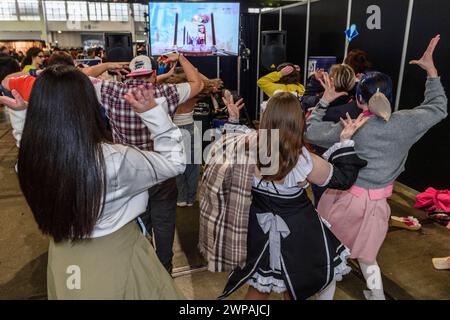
(380, 106)
(375, 89)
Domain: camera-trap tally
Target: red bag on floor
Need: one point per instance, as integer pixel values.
(433, 200)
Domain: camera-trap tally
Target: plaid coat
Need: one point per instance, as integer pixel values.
(127, 127)
(225, 199)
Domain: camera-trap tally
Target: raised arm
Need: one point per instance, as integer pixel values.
(234, 110)
(318, 132)
(192, 74)
(268, 83)
(434, 107)
(167, 160)
(162, 77)
(17, 109)
(99, 69)
(5, 81)
(340, 168)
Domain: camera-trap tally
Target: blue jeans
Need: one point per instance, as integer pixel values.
(187, 182)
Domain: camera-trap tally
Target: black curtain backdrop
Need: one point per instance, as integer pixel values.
(429, 160)
(384, 46)
(294, 22)
(227, 69)
(249, 39)
(328, 21)
(206, 65)
(269, 21)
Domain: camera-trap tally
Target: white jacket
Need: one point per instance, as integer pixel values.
(130, 172)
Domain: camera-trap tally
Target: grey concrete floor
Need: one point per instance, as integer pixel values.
(405, 257)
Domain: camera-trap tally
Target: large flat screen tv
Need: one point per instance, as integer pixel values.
(194, 28)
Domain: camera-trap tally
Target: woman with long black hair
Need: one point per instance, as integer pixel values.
(85, 192)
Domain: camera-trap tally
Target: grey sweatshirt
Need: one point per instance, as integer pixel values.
(384, 145)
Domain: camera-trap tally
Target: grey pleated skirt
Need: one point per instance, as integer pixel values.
(121, 265)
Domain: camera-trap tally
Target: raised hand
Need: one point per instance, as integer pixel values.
(17, 103)
(330, 93)
(118, 67)
(141, 99)
(172, 56)
(234, 109)
(171, 71)
(318, 74)
(287, 70)
(217, 84)
(426, 62)
(351, 126)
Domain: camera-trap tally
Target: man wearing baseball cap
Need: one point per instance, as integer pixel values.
(127, 128)
(141, 66)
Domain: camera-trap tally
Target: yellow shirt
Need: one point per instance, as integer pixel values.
(268, 85)
(27, 68)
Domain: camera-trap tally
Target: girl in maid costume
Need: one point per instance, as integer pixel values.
(290, 249)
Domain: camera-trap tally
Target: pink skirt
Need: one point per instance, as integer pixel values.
(357, 221)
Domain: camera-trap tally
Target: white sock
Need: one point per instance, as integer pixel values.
(328, 292)
(372, 274)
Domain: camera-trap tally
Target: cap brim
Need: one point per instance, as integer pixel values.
(140, 73)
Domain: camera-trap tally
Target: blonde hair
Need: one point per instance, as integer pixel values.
(380, 105)
(343, 76)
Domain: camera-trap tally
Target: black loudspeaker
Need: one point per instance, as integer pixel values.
(273, 49)
(118, 47)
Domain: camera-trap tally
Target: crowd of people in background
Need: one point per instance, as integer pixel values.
(36, 58)
(106, 155)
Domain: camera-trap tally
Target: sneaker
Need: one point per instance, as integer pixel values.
(189, 204)
(182, 204)
(409, 223)
(441, 263)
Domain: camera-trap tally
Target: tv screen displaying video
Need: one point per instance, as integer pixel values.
(195, 28)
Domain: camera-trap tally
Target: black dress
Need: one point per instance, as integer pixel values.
(289, 247)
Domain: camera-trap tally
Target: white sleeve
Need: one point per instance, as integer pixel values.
(147, 168)
(163, 103)
(97, 83)
(338, 145)
(184, 91)
(301, 170)
(236, 128)
(17, 119)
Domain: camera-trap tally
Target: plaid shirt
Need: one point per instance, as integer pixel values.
(225, 199)
(127, 126)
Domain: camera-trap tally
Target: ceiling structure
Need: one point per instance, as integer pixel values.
(247, 3)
